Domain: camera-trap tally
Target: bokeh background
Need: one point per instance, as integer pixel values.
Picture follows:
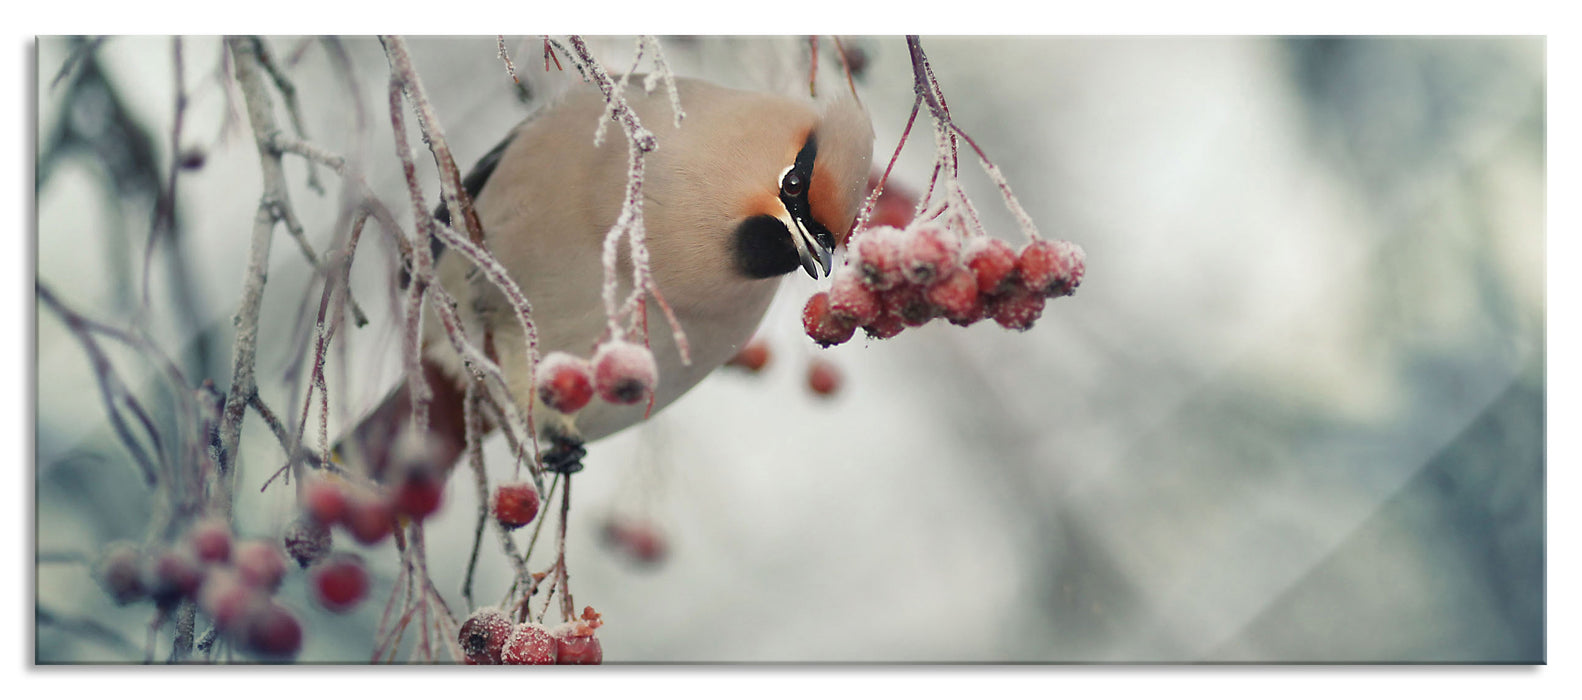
(1296, 412)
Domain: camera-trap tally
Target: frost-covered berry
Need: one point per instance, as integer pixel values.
(210, 539)
(1017, 309)
(564, 382)
(307, 541)
(886, 326)
(909, 303)
(879, 257)
(992, 261)
(225, 597)
(323, 500)
(821, 325)
(531, 644)
(515, 504)
(483, 636)
(340, 583)
(1046, 266)
(638, 541)
(419, 493)
(174, 575)
(120, 573)
(753, 357)
(624, 373)
(271, 632)
(928, 253)
(849, 300)
(576, 644)
(822, 378)
(260, 564)
(369, 518)
(956, 296)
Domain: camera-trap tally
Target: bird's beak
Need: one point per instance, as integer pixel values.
(817, 255)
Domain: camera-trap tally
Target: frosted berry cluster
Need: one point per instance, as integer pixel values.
(896, 279)
(233, 583)
(490, 638)
(620, 373)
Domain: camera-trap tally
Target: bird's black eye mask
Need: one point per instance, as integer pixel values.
(794, 187)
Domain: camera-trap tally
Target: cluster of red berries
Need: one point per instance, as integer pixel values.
(489, 638)
(232, 582)
(896, 279)
(620, 373)
(823, 378)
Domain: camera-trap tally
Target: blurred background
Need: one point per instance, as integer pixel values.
(1294, 413)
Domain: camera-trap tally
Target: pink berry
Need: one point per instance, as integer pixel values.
(753, 358)
(211, 540)
(879, 257)
(821, 325)
(928, 253)
(307, 541)
(419, 493)
(886, 326)
(624, 373)
(226, 598)
(271, 632)
(1017, 309)
(483, 636)
(576, 644)
(822, 378)
(1046, 267)
(565, 382)
(909, 303)
(956, 295)
(992, 261)
(515, 504)
(176, 576)
(369, 518)
(120, 572)
(323, 501)
(849, 300)
(340, 583)
(531, 644)
(260, 564)
(637, 540)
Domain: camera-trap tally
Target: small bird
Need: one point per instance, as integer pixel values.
(750, 187)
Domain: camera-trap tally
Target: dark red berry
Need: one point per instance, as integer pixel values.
(515, 504)
(483, 636)
(887, 325)
(908, 302)
(210, 539)
(120, 573)
(1046, 267)
(307, 541)
(565, 382)
(850, 301)
(339, 583)
(1017, 309)
(531, 644)
(624, 373)
(753, 358)
(928, 253)
(260, 564)
(271, 632)
(992, 261)
(956, 296)
(323, 500)
(822, 378)
(576, 644)
(176, 575)
(419, 493)
(369, 518)
(821, 326)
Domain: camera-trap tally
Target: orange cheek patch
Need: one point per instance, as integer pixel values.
(763, 203)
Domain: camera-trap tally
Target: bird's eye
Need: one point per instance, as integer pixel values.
(792, 184)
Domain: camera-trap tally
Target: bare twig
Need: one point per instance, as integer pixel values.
(82, 51)
(510, 69)
(288, 94)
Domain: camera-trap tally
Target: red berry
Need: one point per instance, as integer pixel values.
(576, 644)
(565, 382)
(225, 597)
(272, 632)
(879, 257)
(120, 572)
(822, 378)
(624, 373)
(956, 295)
(928, 253)
(420, 492)
(821, 326)
(909, 303)
(849, 300)
(323, 501)
(483, 636)
(340, 583)
(895, 204)
(515, 504)
(211, 540)
(887, 325)
(176, 576)
(307, 541)
(753, 358)
(531, 644)
(1047, 267)
(638, 541)
(1016, 309)
(369, 518)
(992, 261)
(260, 564)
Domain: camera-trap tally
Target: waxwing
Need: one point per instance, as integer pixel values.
(751, 187)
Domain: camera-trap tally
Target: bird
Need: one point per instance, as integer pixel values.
(749, 188)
